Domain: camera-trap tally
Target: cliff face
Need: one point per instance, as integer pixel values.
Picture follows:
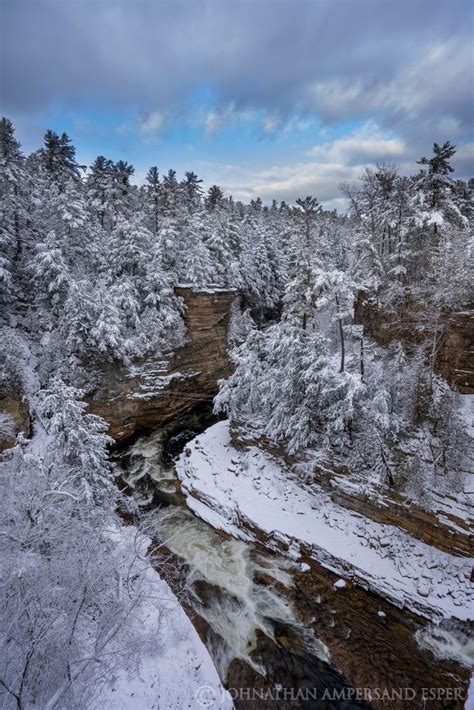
(381, 587)
(152, 393)
(13, 405)
(455, 359)
(454, 341)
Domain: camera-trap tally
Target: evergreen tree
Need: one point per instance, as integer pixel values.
(214, 197)
(439, 169)
(153, 200)
(100, 191)
(58, 158)
(12, 212)
(78, 442)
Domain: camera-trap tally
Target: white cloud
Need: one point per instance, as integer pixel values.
(436, 79)
(295, 123)
(328, 165)
(270, 124)
(152, 123)
(366, 145)
(213, 121)
(217, 118)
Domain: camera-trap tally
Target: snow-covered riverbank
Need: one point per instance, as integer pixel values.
(176, 671)
(228, 488)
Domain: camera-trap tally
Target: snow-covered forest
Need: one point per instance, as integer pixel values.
(89, 263)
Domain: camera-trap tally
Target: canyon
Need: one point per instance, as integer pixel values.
(371, 638)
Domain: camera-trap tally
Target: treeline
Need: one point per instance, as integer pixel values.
(315, 384)
(88, 266)
(90, 261)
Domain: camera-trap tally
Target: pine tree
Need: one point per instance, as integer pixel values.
(224, 245)
(439, 169)
(78, 441)
(197, 268)
(214, 197)
(12, 212)
(100, 191)
(58, 158)
(192, 189)
(153, 200)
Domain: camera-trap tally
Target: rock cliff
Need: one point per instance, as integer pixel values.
(151, 393)
(453, 336)
(12, 404)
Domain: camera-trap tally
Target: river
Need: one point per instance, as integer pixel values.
(238, 596)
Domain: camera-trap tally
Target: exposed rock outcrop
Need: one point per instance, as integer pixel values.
(453, 336)
(455, 359)
(18, 419)
(152, 393)
(379, 590)
(447, 526)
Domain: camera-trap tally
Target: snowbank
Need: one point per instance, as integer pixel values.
(228, 488)
(179, 673)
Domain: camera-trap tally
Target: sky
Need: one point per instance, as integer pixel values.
(270, 98)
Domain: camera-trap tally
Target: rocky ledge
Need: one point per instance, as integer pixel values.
(153, 392)
(150, 393)
(393, 608)
(452, 335)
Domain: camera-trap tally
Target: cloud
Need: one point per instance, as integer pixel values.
(152, 123)
(320, 174)
(278, 70)
(289, 182)
(147, 128)
(364, 146)
(270, 124)
(215, 119)
(335, 59)
(325, 168)
(433, 89)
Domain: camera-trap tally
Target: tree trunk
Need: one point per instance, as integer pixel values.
(341, 335)
(362, 363)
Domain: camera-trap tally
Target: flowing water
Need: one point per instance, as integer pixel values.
(242, 604)
(242, 594)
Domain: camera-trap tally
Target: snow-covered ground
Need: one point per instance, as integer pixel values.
(227, 487)
(176, 672)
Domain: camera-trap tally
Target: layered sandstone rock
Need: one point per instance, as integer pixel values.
(152, 393)
(15, 408)
(452, 335)
(455, 359)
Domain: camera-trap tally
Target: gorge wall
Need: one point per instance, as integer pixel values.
(148, 394)
(152, 393)
(14, 406)
(453, 336)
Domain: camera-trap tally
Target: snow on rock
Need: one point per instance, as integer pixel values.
(340, 584)
(228, 488)
(207, 289)
(179, 672)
